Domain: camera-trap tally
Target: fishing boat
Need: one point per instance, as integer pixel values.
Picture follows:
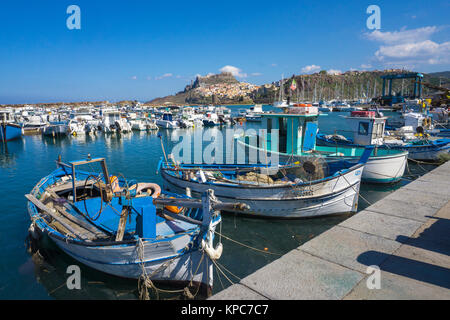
(125, 228)
(113, 122)
(143, 124)
(254, 115)
(211, 119)
(167, 121)
(8, 129)
(312, 188)
(56, 129)
(296, 138)
(33, 124)
(368, 128)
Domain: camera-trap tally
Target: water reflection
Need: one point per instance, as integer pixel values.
(9, 151)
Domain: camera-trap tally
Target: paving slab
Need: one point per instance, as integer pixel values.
(430, 188)
(435, 229)
(419, 264)
(298, 275)
(395, 287)
(237, 292)
(382, 225)
(441, 177)
(413, 198)
(438, 178)
(403, 209)
(442, 169)
(343, 246)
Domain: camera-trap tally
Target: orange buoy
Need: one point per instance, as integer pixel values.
(174, 209)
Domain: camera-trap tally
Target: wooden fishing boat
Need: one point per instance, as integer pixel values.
(125, 228)
(284, 193)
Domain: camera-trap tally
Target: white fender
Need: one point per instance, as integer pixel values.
(213, 253)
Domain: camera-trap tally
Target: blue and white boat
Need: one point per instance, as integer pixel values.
(369, 130)
(313, 188)
(124, 228)
(8, 129)
(211, 119)
(167, 121)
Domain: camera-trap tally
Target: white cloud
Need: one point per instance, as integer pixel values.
(426, 51)
(366, 66)
(334, 71)
(402, 36)
(134, 78)
(273, 65)
(406, 47)
(310, 69)
(256, 74)
(234, 71)
(165, 75)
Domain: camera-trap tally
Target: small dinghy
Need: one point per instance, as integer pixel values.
(308, 189)
(127, 229)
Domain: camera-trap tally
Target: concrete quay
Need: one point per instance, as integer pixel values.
(406, 235)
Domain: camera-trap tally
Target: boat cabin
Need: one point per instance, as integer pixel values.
(167, 117)
(297, 131)
(257, 108)
(367, 129)
(6, 116)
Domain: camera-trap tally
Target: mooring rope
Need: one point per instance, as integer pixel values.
(247, 246)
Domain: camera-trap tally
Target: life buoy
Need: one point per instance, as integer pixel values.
(146, 186)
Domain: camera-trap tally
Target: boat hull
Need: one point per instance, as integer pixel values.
(164, 124)
(334, 195)
(9, 132)
(427, 152)
(123, 261)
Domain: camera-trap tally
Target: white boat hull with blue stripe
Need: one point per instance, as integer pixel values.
(335, 194)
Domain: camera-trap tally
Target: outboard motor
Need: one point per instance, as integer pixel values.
(117, 126)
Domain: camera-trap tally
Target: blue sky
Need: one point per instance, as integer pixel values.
(145, 49)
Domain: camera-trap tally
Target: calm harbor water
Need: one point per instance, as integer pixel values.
(24, 162)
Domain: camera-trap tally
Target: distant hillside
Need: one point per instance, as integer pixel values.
(443, 74)
(317, 86)
(194, 93)
(354, 84)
